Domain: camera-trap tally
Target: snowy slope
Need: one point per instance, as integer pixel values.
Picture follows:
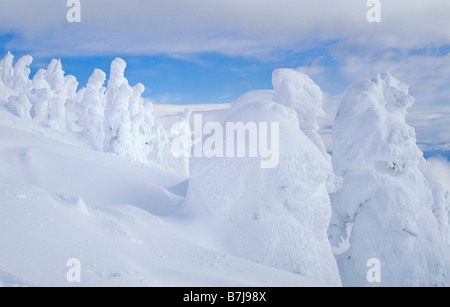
(59, 201)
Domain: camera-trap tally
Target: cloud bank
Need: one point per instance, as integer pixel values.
(251, 27)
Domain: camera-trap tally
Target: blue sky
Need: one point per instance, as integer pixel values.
(206, 77)
(213, 51)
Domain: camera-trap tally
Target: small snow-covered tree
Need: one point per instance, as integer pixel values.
(148, 129)
(158, 142)
(92, 110)
(7, 70)
(117, 124)
(21, 73)
(137, 117)
(56, 109)
(40, 96)
(385, 196)
(18, 81)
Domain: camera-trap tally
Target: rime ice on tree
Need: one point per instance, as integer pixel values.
(385, 195)
(277, 216)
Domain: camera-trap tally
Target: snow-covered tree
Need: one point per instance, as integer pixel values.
(276, 216)
(19, 84)
(21, 73)
(114, 119)
(385, 197)
(117, 123)
(137, 117)
(56, 109)
(7, 70)
(92, 110)
(40, 97)
(297, 91)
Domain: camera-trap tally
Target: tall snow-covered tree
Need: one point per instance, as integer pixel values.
(7, 70)
(21, 73)
(275, 216)
(297, 91)
(117, 123)
(92, 110)
(56, 109)
(19, 82)
(40, 97)
(385, 197)
(137, 117)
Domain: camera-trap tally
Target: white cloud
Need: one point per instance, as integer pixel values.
(251, 28)
(438, 170)
(314, 70)
(169, 98)
(428, 75)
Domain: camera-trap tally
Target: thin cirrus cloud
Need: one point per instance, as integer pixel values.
(238, 28)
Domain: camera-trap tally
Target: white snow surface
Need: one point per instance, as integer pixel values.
(61, 201)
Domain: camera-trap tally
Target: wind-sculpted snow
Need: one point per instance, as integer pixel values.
(276, 216)
(384, 196)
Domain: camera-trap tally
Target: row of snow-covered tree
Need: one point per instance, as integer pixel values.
(114, 119)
